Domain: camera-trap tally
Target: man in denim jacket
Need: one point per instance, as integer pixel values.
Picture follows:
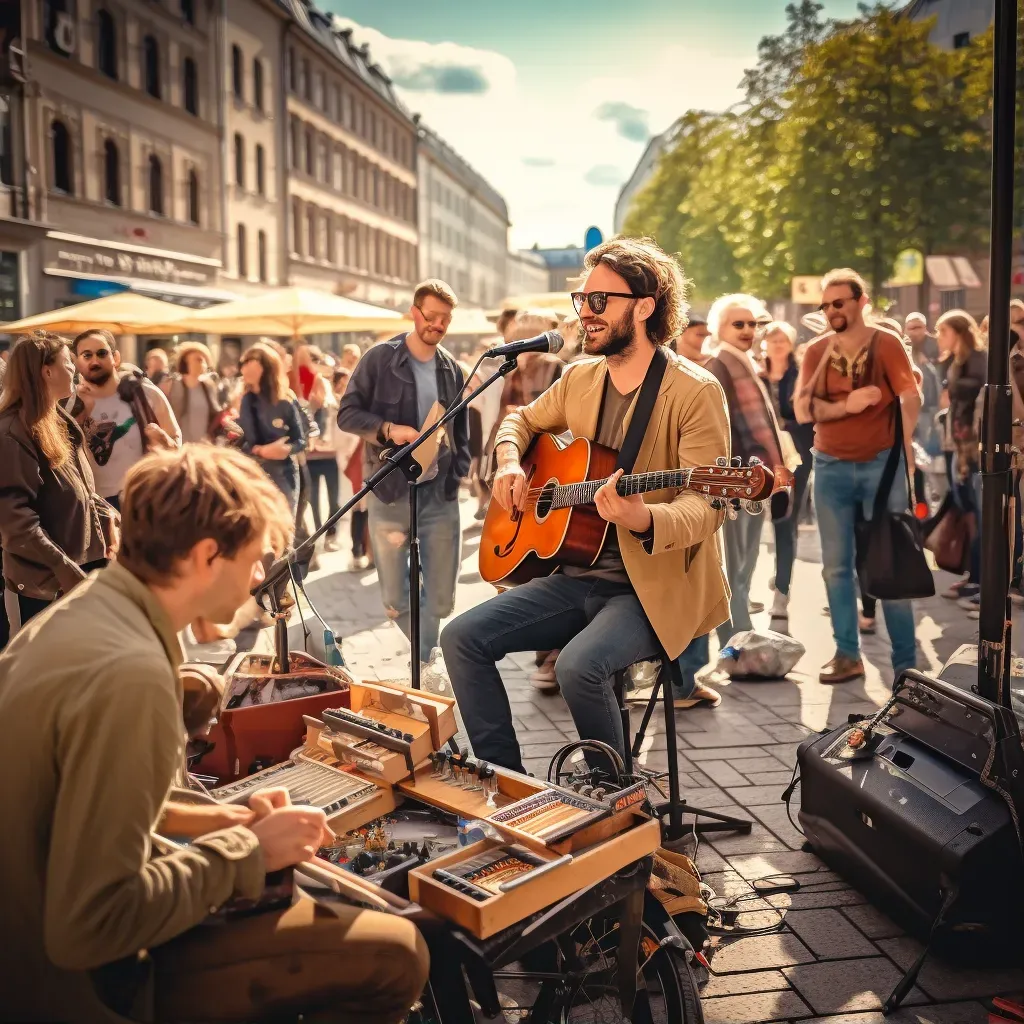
(391, 392)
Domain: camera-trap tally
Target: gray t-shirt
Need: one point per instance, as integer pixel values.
(425, 376)
(609, 433)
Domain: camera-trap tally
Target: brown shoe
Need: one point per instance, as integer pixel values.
(841, 669)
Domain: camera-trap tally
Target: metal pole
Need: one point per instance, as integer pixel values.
(994, 624)
(415, 583)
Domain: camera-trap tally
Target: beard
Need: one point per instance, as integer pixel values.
(98, 376)
(838, 323)
(618, 338)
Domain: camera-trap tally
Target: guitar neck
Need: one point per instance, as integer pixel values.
(567, 495)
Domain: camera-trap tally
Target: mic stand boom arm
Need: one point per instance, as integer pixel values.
(402, 459)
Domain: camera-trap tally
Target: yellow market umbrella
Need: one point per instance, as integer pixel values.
(123, 313)
(549, 302)
(470, 321)
(293, 312)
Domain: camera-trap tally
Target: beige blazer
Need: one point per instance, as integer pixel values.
(681, 583)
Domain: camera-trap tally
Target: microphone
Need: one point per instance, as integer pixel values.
(549, 341)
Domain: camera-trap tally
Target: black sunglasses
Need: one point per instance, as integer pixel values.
(740, 324)
(836, 304)
(100, 353)
(598, 301)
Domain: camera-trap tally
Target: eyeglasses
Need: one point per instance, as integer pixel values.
(444, 319)
(836, 304)
(100, 353)
(740, 324)
(598, 301)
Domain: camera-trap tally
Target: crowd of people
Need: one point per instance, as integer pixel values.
(138, 507)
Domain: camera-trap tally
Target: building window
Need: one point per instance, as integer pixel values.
(323, 242)
(106, 44)
(257, 84)
(293, 71)
(156, 185)
(237, 84)
(961, 40)
(190, 81)
(328, 165)
(239, 160)
(319, 91)
(261, 171)
(242, 255)
(335, 109)
(261, 254)
(954, 298)
(188, 11)
(296, 227)
(193, 198)
(63, 157)
(151, 66)
(310, 153)
(111, 173)
(304, 77)
(295, 144)
(311, 233)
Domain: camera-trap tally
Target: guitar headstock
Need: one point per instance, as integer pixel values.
(724, 482)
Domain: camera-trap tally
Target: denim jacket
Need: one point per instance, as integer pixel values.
(382, 389)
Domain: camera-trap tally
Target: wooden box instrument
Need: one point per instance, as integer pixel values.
(491, 885)
(261, 716)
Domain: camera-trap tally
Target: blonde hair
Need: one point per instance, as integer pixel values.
(721, 305)
(436, 287)
(24, 390)
(174, 499)
(528, 324)
(780, 325)
(648, 270)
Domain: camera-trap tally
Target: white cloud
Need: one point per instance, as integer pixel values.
(509, 126)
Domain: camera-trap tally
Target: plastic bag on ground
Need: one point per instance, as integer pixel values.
(759, 654)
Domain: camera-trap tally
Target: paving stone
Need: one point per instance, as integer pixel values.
(951, 1013)
(760, 952)
(751, 736)
(765, 763)
(760, 840)
(941, 981)
(754, 796)
(740, 984)
(781, 778)
(871, 921)
(776, 818)
(828, 934)
(787, 733)
(722, 754)
(762, 865)
(842, 986)
(764, 1006)
(816, 899)
(727, 883)
(723, 773)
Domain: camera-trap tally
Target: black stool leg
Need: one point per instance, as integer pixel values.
(677, 806)
(652, 703)
(620, 697)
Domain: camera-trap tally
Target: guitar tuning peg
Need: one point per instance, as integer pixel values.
(754, 461)
(721, 461)
(737, 461)
(717, 504)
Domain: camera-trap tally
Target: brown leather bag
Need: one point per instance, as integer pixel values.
(948, 535)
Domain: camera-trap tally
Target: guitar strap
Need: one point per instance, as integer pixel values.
(642, 411)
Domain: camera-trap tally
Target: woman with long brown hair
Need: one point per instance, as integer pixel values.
(271, 430)
(50, 515)
(965, 369)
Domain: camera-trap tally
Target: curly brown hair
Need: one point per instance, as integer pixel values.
(648, 270)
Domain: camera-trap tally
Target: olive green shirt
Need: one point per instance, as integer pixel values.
(93, 741)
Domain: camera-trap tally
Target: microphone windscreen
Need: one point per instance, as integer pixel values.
(556, 341)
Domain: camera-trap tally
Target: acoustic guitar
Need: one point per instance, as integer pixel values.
(560, 525)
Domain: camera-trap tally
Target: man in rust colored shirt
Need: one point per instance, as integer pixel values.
(849, 383)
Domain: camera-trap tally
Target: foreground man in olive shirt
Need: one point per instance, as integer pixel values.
(90, 915)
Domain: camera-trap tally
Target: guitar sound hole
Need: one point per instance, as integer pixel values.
(544, 501)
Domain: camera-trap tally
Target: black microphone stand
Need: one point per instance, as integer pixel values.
(273, 585)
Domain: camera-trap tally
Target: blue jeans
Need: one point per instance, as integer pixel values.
(840, 488)
(691, 661)
(598, 627)
(440, 534)
(742, 537)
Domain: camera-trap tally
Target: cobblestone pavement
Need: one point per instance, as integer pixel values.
(837, 958)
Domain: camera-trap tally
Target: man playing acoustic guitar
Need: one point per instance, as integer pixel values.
(658, 580)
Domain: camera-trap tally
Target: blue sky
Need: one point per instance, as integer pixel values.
(554, 101)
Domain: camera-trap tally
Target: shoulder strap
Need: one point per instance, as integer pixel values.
(889, 473)
(642, 411)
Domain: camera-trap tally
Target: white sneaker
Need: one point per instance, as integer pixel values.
(359, 563)
(780, 605)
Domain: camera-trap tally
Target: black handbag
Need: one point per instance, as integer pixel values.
(891, 563)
